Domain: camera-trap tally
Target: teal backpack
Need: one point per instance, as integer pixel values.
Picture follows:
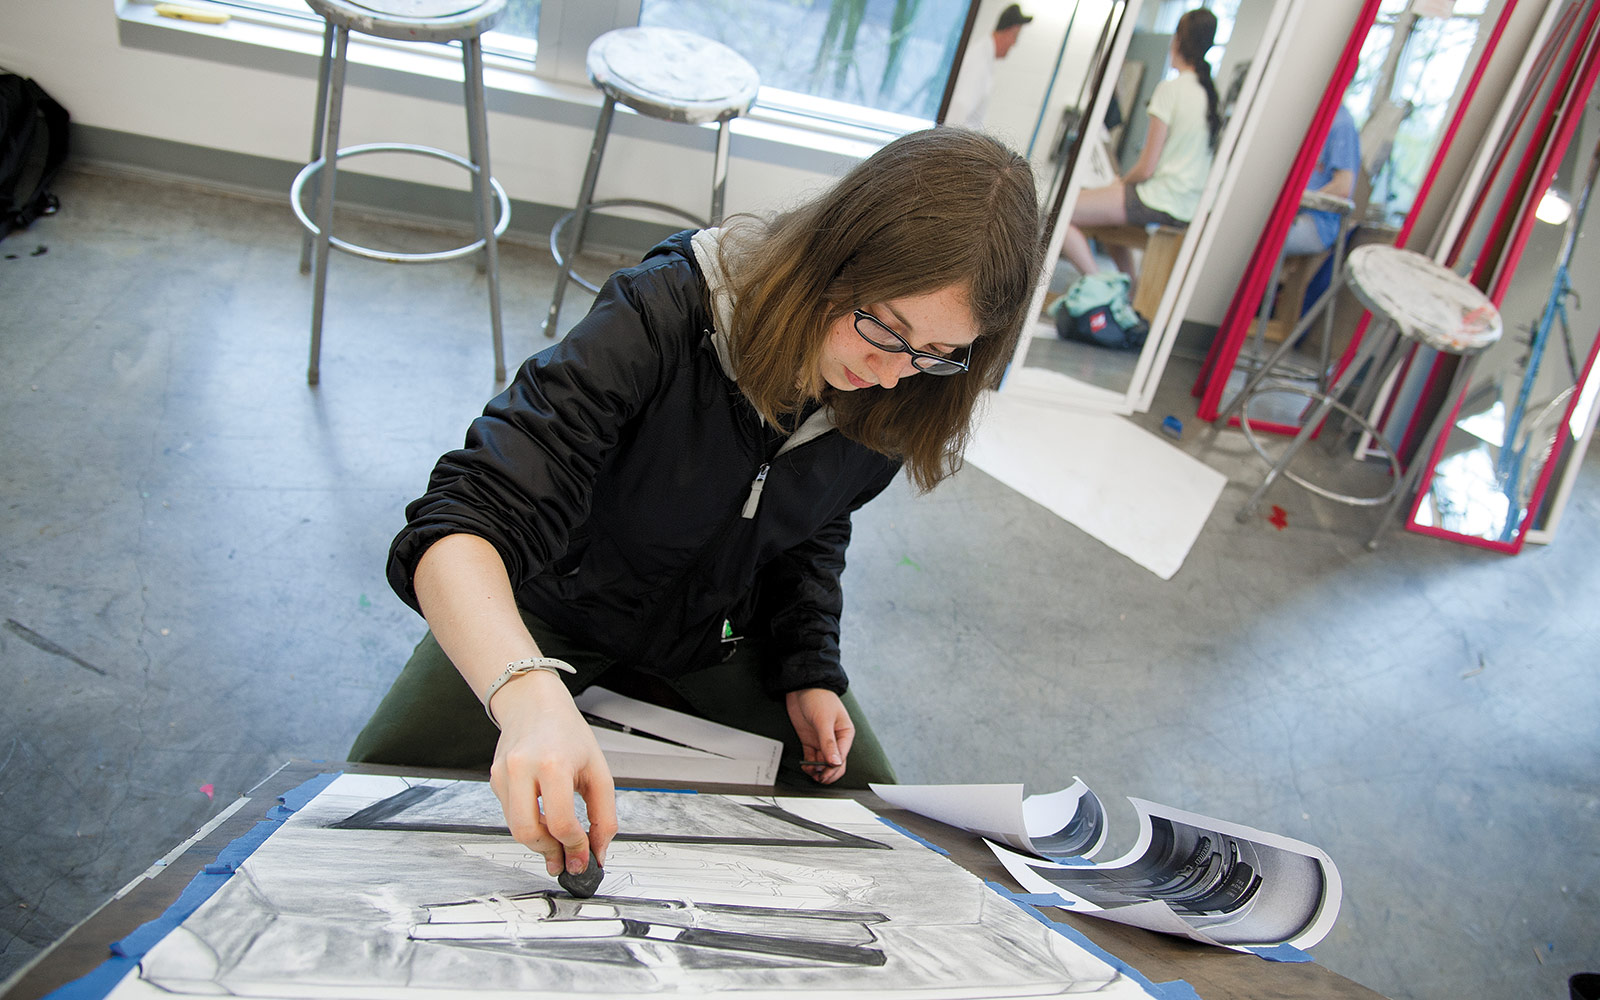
(1096, 310)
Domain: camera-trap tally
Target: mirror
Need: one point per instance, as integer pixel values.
(1376, 146)
(1108, 123)
(1523, 422)
(1040, 87)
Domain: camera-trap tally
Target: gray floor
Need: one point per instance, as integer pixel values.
(192, 549)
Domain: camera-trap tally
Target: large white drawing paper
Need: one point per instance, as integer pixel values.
(1201, 878)
(1067, 823)
(646, 741)
(385, 887)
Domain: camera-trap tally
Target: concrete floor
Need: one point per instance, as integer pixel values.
(191, 562)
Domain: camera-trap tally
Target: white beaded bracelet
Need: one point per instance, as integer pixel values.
(516, 668)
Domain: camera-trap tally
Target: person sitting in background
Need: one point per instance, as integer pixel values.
(1335, 173)
(969, 104)
(1165, 183)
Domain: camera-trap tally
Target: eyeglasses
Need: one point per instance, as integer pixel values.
(875, 333)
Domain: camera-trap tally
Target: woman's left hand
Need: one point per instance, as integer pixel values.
(825, 730)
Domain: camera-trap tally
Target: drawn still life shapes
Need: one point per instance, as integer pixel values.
(394, 887)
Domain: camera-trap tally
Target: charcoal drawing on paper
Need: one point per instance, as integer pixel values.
(411, 888)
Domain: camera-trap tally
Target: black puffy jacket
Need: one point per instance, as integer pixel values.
(638, 500)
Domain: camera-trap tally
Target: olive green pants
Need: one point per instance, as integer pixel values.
(431, 718)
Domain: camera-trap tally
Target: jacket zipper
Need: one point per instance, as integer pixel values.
(803, 435)
(753, 501)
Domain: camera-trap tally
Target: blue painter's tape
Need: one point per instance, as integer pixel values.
(1175, 990)
(199, 890)
(294, 799)
(896, 827)
(1043, 899)
(1283, 953)
(98, 983)
(127, 953)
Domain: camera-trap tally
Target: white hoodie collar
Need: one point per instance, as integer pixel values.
(705, 244)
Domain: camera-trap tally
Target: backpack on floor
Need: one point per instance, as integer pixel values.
(1096, 310)
(33, 145)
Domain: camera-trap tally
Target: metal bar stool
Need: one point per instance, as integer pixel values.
(443, 21)
(1416, 301)
(665, 73)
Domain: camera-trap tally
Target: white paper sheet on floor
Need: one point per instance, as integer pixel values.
(1125, 486)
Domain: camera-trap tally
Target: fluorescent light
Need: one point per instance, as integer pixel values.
(1553, 208)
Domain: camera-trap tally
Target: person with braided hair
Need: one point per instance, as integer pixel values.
(1165, 183)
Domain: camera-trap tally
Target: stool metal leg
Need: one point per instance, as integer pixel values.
(1262, 373)
(1317, 414)
(1323, 406)
(719, 173)
(1387, 353)
(1330, 300)
(1267, 299)
(1441, 420)
(580, 221)
(316, 134)
(325, 193)
(483, 195)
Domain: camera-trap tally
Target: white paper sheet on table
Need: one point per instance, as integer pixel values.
(1201, 878)
(1067, 823)
(658, 744)
(1193, 876)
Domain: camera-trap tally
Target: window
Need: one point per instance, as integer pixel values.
(1408, 73)
(888, 56)
(856, 62)
(521, 20)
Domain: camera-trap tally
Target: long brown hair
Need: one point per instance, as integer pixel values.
(1195, 34)
(932, 209)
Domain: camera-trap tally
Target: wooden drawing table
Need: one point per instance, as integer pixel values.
(1216, 974)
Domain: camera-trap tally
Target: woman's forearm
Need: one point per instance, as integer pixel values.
(465, 594)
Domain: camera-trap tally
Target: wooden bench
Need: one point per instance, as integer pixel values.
(1159, 250)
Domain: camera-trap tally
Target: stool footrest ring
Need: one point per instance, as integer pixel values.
(1272, 385)
(561, 225)
(396, 257)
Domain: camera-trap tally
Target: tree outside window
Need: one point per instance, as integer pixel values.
(890, 55)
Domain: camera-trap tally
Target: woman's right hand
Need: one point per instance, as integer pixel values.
(546, 751)
(546, 754)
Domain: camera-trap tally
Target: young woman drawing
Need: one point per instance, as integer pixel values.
(661, 502)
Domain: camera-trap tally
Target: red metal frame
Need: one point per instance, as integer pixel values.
(1236, 322)
(1547, 57)
(1510, 212)
(1235, 325)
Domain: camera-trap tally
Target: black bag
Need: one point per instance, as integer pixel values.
(1096, 311)
(33, 145)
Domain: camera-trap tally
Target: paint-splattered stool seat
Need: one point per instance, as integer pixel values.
(664, 73)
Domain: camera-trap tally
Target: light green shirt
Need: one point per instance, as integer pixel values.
(1185, 160)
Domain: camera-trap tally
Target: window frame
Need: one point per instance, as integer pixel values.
(511, 63)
